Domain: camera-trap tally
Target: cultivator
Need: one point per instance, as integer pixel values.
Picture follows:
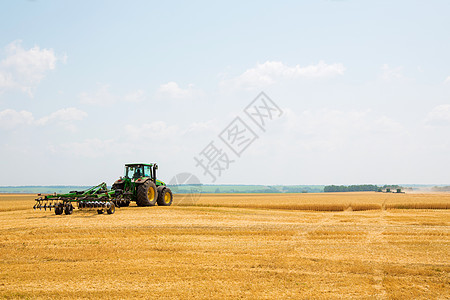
(97, 197)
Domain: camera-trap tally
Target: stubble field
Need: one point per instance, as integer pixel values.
(314, 246)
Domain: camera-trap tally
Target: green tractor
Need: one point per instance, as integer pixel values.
(139, 184)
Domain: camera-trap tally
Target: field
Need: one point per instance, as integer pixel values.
(264, 246)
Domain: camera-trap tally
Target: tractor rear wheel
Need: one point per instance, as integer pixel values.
(165, 197)
(146, 194)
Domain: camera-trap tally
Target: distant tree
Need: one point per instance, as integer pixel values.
(351, 188)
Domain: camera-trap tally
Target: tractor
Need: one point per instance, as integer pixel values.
(139, 184)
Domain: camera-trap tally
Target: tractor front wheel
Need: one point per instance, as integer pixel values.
(146, 194)
(165, 197)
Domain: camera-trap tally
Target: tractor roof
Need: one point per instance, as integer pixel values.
(138, 164)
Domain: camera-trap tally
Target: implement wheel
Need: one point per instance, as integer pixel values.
(110, 208)
(146, 194)
(165, 197)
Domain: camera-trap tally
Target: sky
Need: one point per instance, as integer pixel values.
(353, 92)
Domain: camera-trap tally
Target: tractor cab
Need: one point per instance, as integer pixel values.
(140, 171)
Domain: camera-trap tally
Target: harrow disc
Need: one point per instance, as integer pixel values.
(68, 209)
(59, 210)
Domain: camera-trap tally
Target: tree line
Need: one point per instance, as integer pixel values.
(358, 188)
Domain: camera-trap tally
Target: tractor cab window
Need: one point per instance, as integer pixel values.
(147, 171)
(134, 172)
(129, 172)
(138, 172)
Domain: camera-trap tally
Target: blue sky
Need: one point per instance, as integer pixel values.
(86, 86)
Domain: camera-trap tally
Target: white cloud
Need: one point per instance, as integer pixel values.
(447, 80)
(328, 130)
(6, 80)
(158, 136)
(136, 96)
(272, 71)
(439, 116)
(162, 130)
(202, 128)
(102, 96)
(172, 90)
(385, 125)
(10, 118)
(154, 130)
(24, 69)
(91, 148)
(64, 117)
(391, 73)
